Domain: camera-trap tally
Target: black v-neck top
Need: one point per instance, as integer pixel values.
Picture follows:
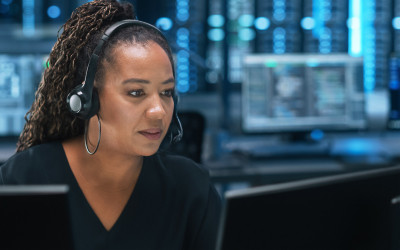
(173, 206)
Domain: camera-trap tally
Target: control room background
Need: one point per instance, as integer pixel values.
(342, 60)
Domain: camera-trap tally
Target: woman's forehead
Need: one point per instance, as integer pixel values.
(136, 51)
(139, 59)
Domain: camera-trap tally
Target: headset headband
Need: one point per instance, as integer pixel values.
(94, 59)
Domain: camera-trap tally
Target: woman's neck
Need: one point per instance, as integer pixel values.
(106, 168)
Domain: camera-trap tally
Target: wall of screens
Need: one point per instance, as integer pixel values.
(19, 77)
(210, 38)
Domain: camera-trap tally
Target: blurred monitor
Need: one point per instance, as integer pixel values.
(19, 78)
(302, 92)
(349, 211)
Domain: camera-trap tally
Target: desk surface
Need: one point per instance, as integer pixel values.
(277, 170)
(368, 151)
(342, 154)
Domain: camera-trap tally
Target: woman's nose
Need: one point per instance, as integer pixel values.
(156, 109)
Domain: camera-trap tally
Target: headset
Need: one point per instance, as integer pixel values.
(83, 101)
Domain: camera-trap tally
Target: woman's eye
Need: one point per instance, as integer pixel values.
(168, 92)
(136, 93)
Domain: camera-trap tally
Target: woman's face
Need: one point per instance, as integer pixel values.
(136, 100)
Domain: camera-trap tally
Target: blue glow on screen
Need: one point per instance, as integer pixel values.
(359, 147)
(312, 63)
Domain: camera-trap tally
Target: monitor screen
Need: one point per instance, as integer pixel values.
(358, 210)
(35, 217)
(19, 77)
(302, 92)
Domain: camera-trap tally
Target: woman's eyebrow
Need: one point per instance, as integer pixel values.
(170, 80)
(135, 80)
(143, 81)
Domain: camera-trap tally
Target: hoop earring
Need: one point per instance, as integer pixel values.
(98, 140)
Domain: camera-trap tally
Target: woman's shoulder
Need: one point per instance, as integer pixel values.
(33, 153)
(28, 164)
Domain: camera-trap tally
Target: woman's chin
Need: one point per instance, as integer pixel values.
(149, 151)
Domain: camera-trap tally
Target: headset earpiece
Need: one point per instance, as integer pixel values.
(81, 104)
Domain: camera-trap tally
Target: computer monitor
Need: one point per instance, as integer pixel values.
(358, 210)
(302, 93)
(19, 77)
(35, 217)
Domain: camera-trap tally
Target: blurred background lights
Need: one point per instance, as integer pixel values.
(183, 37)
(353, 23)
(279, 10)
(216, 21)
(396, 23)
(182, 16)
(308, 23)
(317, 135)
(4, 9)
(53, 11)
(183, 53)
(216, 35)
(5, 6)
(262, 23)
(164, 23)
(246, 34)
(182, 10)
(246, 20)
(6, 2)
(183, 87)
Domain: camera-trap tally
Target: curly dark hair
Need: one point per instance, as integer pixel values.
(49, 118)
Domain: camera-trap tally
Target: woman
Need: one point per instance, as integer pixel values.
(123, 193)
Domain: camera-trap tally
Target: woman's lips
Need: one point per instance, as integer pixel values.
(151, 134)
